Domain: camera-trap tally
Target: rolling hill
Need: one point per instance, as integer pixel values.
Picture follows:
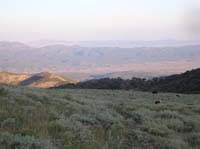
(41, 80)
(12, 78)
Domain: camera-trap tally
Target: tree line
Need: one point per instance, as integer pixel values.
(188, 82)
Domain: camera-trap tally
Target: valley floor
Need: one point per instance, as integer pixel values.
(97, 119)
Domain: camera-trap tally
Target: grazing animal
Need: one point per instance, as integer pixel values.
(178, 96)
(155, 92)
(157, 102)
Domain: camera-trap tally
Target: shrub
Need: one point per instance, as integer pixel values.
(190, 125)
(27, 132)
(194, 139)
(175, 124)
(139, 139)
(137, 117)
(11, 141)
(3, 92)
(9, 124)
(68, 97)
(168, 115)
(55, 129)
(161, 131)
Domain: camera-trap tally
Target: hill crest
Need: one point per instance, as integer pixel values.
(41, 80)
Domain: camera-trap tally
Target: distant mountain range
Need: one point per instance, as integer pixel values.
(93, 62)
(40, 80)
(114, 43)
(126, 75)
(122, 74)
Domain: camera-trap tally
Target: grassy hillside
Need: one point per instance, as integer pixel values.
(46, 80)
(97, 119)
(12, 78)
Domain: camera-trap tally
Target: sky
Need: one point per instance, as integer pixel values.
(29, 20)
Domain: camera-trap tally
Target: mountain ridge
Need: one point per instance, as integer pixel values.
(19, 58)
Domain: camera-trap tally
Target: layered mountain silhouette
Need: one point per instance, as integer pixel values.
(57, 58)
(40, 80)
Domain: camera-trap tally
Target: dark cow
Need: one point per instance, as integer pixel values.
(154, 92)
(157, 102)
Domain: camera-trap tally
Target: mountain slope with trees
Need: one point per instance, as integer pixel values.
(188, 82)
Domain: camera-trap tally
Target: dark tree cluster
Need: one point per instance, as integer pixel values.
(188, 82)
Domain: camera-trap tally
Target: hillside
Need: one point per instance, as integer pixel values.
(12, 78)
(41, 80)
(188, 82)
(97, 119)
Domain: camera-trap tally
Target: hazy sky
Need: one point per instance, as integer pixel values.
(26, 20)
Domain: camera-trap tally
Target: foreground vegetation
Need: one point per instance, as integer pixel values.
(97, 119)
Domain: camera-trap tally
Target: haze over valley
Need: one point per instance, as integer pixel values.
(88, 62)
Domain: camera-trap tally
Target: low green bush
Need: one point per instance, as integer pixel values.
(194, 139)
(3, 91)
(55, 129)
(10, 141)
(9, 124)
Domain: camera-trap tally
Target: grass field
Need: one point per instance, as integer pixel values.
(97, 119)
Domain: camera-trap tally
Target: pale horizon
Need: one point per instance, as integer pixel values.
(86, 20)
